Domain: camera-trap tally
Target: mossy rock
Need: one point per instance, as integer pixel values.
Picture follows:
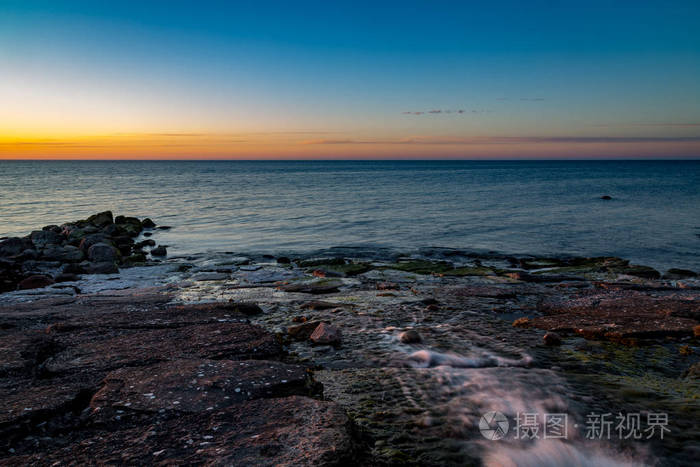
(472, 271)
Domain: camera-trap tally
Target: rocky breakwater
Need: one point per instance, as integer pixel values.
(100, 244)
(132, 379)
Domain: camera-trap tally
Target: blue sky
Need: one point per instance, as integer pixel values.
(296, 78)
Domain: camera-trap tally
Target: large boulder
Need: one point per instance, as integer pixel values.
(93, 239)
(14, 246)
(43, 238)
(64, 254)
(101, 219)
(102, 252)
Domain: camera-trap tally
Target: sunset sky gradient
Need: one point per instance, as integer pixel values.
(297, 80)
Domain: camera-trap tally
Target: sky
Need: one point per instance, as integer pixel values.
(343, 80)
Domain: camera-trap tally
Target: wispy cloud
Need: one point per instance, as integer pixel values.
(444, 111)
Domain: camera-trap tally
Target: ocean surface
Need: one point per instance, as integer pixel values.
(532, 207)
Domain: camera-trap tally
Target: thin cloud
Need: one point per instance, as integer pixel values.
(443, 111)
(532, 99)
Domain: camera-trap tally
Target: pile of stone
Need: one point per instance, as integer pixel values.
(99, 244)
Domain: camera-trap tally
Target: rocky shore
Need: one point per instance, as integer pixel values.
(99, 244)
(335, 358)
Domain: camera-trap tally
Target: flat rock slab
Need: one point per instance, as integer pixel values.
(197, 385)
(621, 314)
(95, 352)
(291, 431)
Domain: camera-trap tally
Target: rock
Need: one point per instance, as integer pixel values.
(114, 230)
(644, 272)
(148, 223)
(410, 337)
(210, 276)
(108, 348)
(64, 254)
(66, 277)
(387, 286)
(103, 267)
(93, 239)
(521, 322)
(102, 253)
(551, 338)
(136, 258)
(72, 268)
(318, 305)
(27, 255)
(283, 260)
(319, 287)
(53, 228)
(621, 314)
(101, 219)
(429, 301)
(147, 234)
(606, 197)
(696, 331)
(14, 246)
(432, 308)
(159, 251)
(43, 238)
(676, 274)
(302, 332)
(164, 227)
(290, 431)
(197, 385)
(147, 242)
(326, 334)
(245, 308)
(37, 281)
(326, 273)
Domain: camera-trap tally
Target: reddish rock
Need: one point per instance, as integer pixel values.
(35, 282)
(197, 385)
(90, 350)
(521, 323)
(291, 431)
(387, 286)
(410, 337)
(551, 338)
(622, 314)
(302, 332)
(326, 334)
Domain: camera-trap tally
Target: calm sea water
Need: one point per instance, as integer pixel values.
(509, 207)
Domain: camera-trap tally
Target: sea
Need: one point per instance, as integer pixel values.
(277, 207)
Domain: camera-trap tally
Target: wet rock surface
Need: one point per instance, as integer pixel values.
(133, 378)
(219, 371)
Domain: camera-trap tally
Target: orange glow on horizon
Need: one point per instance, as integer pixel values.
(280, 145)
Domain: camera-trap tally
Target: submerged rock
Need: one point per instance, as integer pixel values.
(159, 251)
